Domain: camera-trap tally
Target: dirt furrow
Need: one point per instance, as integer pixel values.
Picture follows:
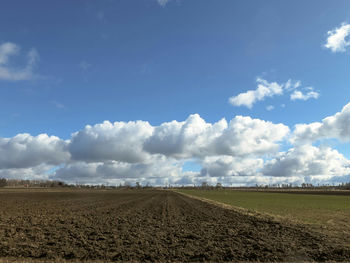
(147, 225)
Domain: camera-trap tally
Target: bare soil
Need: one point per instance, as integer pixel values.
(147, 225)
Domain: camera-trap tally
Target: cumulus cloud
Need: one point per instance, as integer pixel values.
(39, 172)
(136, 151)
(24, 150)
(119, 141)
(336, 126)
(9, 71)
(184, 139)
(161, 170)
(196, 138)
(135, 142)
(243, 151)
(337, 38)
(81, 172)
(246, 136)
(228, 166)
(298, 95)
(308, 161)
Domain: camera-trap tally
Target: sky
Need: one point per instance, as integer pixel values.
(175, 92)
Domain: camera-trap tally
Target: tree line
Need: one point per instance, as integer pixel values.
(30, 183)
(204, 185)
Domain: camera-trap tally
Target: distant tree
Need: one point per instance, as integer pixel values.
(346, 186)
(138, 186)
(127, 185)
(3, 182)
(205, 185)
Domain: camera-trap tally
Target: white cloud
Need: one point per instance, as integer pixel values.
(159, 171)
(196, 138)
(289, 85)
(58, 104)
(6, 50)
(39, 172)
(241, 152)
(24, 150)
(308, 162)
(184, 139)
(163, 2)
(270, 107)
(267, 89)
(228, 166)
(32, 59)
(78, 172)
(336, 126)
(136, 151)
(298, 95)
(337, 38)
(83, 65)
(264, 89)
(8, 71)
(119, 141)
(246, 136)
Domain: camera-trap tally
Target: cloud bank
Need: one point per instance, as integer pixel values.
(194, 138)
(119, 141)
(336, 126)
(308, 161)
(24, 151)
(242, 151)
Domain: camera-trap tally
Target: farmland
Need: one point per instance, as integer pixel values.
(327, 211)
(147, 225)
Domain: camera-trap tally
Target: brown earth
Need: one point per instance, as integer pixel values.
(147, 225)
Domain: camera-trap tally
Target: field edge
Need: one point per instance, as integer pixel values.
(334, 236)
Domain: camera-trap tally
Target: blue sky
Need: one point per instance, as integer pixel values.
(160, 61)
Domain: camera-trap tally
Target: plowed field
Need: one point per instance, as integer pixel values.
(147, 226)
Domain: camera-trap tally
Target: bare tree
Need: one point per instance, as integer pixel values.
(3, 182)
(205, 185)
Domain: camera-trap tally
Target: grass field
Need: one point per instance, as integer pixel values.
(328, 211)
